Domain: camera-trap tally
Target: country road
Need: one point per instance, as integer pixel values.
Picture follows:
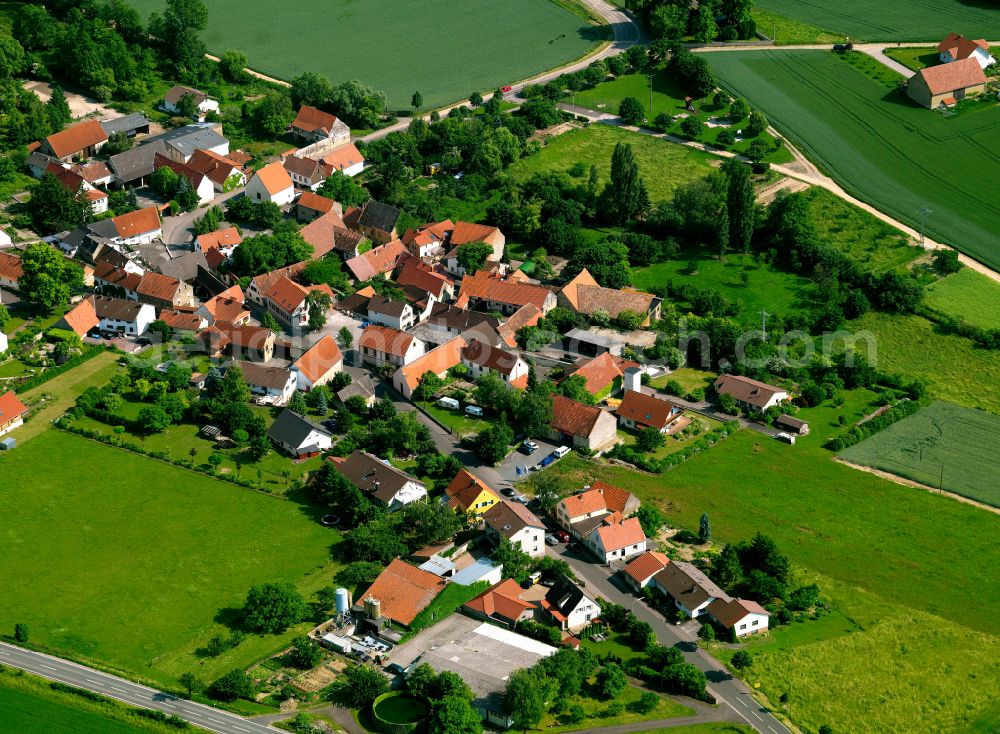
(728, 690)
(133, 694)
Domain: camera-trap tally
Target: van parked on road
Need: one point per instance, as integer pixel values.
(449, 403)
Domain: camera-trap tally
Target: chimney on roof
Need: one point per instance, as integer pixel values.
(632, 380)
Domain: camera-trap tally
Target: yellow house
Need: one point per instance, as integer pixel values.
(469, 493)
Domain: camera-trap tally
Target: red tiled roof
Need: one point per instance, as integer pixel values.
(419, 274)
(404, 591)
(569, 291)
(465, 232)
(311, 119)
(961, 47)
(82, 318)
(11, 407)
(502, 599)
(439, 360)
(573, 418)
(287, 294)
(344, 157)
(621, 534)
(320, 358)
(139, 222)
(181, 320)
(227, 308)
(274, 177)
(76, 138)
(599, 373)
(377, 261)
(314, 201)
(158, 286)
(509, 518)
(601, 497)
(642, 567)
(961, 74)
(428, 233)
(228, 237)
(730, 611)
(465, 488)
(746, 390)
(209, 163)
(645, 409)
(10, 267)
(385, 339)
(526, 315)
(484, 286)
(491, 358)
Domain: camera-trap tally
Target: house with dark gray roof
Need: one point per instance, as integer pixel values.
(378, 221)
(569, 606)
(379, 480)
(387, 312)
(131, 125)
(298, 436)
(182, 142)
(132, 167)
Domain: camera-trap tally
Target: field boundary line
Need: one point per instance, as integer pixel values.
(917, 485)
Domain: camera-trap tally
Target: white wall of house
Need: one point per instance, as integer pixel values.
(322, 441)
(280, 395)
(585, 611)
(140, 239)
(146, 316)
(304, 383)
(403, 322)
(411, 492)
(3, 342)
(256, 190)
(593, 542)
(205, 190)
(752, 624)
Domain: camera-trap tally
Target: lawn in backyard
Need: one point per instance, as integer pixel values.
(878, 144)
(662, 164)
(967, 295)
(767, 288)
(953, 367)
(460, 422)
(133, 564)
(941, 446)
(401, 46)
(29, 704)
(689, 378)
(668, 97)
(900, 20)
(914, 58)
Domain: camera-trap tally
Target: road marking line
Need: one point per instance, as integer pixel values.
(120, 690)
(743, 702)
(756, 714)
(96, 683)
(47, 667)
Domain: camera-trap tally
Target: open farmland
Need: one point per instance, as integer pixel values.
(663, 165)
(899, 20)
(138, 566)
(967, 295)
(879, 145)
(941, 446)
(445, 50)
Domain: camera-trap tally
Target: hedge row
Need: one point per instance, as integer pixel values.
(66, 366)
(857, 434)
(658, 466)
(117, 442)
(984, 338)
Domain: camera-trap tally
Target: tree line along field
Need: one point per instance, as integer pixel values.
(114, 558)
(878, 144)
(445, 49)
(899, 20)
(944, 446)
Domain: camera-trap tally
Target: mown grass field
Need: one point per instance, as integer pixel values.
(954, 369)
(777, 291)
(878, 144)
(134, 564)
(788, 30)
(900, 20)
(668, 97)
(874, 666)
(940, 446)
(915, 58)
(969, 295)
(28, 704)
(445, 49)
(663, 165)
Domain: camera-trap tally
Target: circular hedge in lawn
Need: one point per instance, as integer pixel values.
(397, 712)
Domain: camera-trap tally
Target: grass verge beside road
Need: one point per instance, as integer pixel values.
(137, 567)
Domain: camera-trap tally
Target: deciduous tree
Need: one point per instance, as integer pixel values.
(273, 607)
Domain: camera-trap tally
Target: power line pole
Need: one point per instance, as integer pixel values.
(924, 212)
(763, 322)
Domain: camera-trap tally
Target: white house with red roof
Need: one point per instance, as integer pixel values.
(742, 617)
(382, 345)
(271, 183)
(641, 569)
(319, 363)
(315, 125)
(12, 412)
(616, 538)
(956, 48)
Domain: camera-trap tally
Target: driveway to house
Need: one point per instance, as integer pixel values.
(728, 690)
(131, 693)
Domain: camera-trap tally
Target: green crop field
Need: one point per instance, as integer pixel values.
(954, 369)
(899, 20)
(969, 295)
(445, 49)
(878, 144)
(940, 446)
(133, 564)
(663, 165)
(28, 704)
